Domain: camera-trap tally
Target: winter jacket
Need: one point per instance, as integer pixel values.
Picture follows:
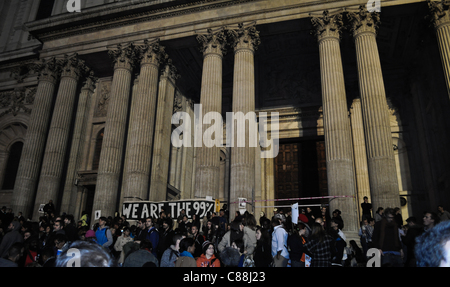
(249, 242)
(169, 257)
(202, 261)
(118, 246)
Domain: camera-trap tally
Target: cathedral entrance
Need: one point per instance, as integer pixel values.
(300, 171)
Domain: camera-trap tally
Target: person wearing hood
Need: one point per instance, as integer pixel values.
(208, 259)
(11, 237)
(103, 234)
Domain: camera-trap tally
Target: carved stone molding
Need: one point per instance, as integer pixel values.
(363, 21)
(170, 71)
(213, 42)
(72, 67)
(327, 25)
(124, 56)
(245, 37)
(16, 100)
(439, 12)
(103, 99)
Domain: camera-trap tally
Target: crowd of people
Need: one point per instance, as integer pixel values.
(316, 240)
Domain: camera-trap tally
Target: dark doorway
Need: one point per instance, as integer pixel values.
(300, 171)
(90, 191)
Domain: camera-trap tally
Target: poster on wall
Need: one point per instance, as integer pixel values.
(143, 209)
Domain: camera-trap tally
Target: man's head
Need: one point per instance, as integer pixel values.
(389, 213)
(15, 252)
(148, 222)
(102, 221)
(58, 225)
(194, 229)
(433, 246)
(430, 219)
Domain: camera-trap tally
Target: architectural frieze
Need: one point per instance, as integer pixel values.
(16, 100)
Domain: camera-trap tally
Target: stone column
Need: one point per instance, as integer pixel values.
(69, 199)
(33, 149)
(359, 152)
(58, 135)
(338, 140)
(242, 171)
(142, 123)
(380, 153)
(208, 158)
(440, 18)
(109, 170)
(163, 131)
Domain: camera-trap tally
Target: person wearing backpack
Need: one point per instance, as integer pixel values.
(173, 252)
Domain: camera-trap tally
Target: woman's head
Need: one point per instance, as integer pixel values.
(187, 244)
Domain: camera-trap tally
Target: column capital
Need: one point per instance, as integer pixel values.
(123, 56)
(47, 70)
(151, 52)
(328, 25)
(170, 71)
(362, 21)
(439, 12)
(72, 66)
(89, 82)
(213, 42)
(245, 37)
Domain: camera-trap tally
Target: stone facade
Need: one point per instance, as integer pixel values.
(91, 95)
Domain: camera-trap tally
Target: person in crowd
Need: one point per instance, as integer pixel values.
(430, 219)
(339, 242)
(250, 231)
(69, 228)
(365, 233)
(386, 239)
(84, 219)
(279, 242)
(208, 257)
(152, 235)
(209, 231)
(264, 221)
(173, 252)
(319, 246)
(433, 246)
(338, 219)
(263, 254)
(199, 239)
(89, 254)
(398, 218)
(13, 255)
(13, 236)
(356, 258)
(139, 257)
(165, 236)
(295, 243)
(379, 214)
(413, 231)
(366, 208)
(443, 214)
(103, 233)
(237, 232)
(121, 241)
(141, 233)
(187, 249)
(49, 208)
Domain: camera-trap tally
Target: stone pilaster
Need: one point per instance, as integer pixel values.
(58, 135)
(359, 152)
(380, 154)
(33, 149)
(142, 123)
(105, 198)
(70, 191)
(163, 130)
(338, 140)
(440, 18)
(242, 171)
(208, 158)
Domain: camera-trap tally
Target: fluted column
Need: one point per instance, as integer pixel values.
(338, 140)
(106, 191)
(242, 171)
(380, 154)
(70, 191)
(208, 158)
(33, 149)
(440, 17)
(359, 151)
(58, 135)
(163, 128)
(142, 123)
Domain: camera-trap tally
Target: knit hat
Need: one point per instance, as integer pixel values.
(205, 246)
(90, 233)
